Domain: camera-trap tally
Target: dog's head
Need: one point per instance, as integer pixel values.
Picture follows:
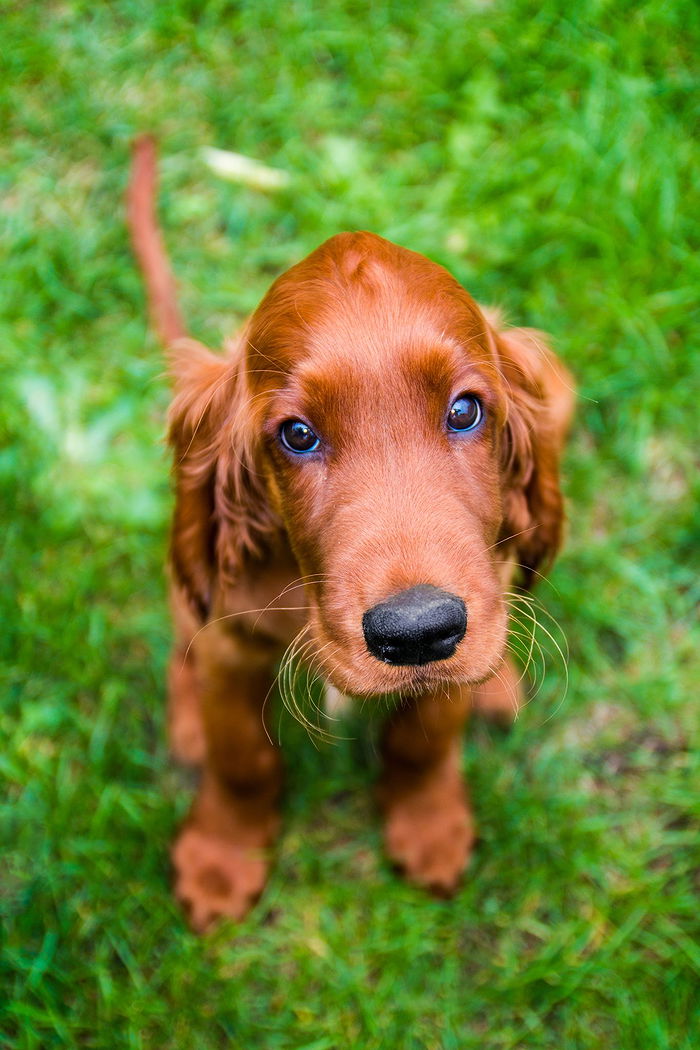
(376, 420)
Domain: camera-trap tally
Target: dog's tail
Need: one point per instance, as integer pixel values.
(148, 244)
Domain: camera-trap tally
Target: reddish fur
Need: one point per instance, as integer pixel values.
(370, 343)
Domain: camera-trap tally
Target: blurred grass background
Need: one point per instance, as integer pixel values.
(543, 152)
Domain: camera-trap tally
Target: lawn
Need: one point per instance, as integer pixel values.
(544, 153)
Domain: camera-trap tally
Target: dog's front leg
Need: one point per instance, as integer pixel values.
(428, 823)
(221, 854)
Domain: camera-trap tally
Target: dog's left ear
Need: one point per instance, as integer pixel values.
(541, 398)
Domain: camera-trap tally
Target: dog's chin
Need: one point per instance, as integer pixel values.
(340, 656)
(361, 675)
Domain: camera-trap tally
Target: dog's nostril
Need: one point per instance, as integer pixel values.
(416, 626)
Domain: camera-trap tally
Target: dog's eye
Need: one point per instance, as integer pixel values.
(298, 436)
(465, 414)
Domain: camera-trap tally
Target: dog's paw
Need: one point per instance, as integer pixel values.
(429, 830)
(429, 842)
(215, 879)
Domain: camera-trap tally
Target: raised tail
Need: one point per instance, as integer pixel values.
(148, 244)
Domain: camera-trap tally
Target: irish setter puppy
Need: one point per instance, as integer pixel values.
(371, 464)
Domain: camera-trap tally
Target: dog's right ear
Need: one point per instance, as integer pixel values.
(203, 386)
(222, 513)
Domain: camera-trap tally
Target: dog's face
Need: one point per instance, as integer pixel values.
(382, 425)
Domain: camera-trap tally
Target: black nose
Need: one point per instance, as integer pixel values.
(415, 626)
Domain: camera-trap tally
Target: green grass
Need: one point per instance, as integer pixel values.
(544, 153)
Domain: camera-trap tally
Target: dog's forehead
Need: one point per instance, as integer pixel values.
(372, 356)
(360, 304)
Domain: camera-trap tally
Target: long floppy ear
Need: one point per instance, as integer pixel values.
(222, 516)
(541, 403)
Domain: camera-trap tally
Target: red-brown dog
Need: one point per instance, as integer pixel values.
(376, 443)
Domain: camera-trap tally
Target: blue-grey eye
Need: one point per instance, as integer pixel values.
(465, 414)
(298, 436)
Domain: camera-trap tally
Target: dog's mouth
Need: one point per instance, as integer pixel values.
(364, 676)
(420, 640)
